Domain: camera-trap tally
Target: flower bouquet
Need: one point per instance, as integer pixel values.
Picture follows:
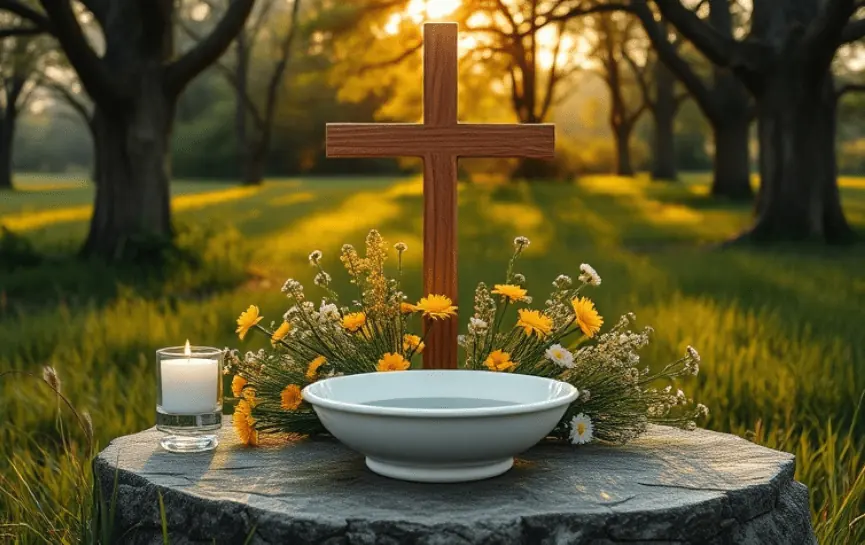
(378, 330)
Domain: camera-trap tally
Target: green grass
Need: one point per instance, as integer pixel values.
(779, 329)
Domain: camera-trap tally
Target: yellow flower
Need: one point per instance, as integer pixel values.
(312, 370)
(407, 308)
(587, 317)
(244, 423)
(499, 361)
(437, 307)
(280, 333)
(392, 362)
(532, 321)
(291, 397)
(413, 343)
(247, 321)
(237, 384)
(511, 292)
(354, 322)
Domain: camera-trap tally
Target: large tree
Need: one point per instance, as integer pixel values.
(784, 60)
(127, 63)
(720, 96)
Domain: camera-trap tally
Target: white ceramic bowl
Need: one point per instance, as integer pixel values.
(439, 426)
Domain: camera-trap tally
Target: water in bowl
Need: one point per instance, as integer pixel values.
(440, 403)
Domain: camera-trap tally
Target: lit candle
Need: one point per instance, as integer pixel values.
(189, 385)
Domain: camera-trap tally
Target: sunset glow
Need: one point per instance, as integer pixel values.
(425, 10)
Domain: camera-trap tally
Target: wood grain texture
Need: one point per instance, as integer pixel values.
(440, 141)
(463, 140)
(440, 256)
(440, 89)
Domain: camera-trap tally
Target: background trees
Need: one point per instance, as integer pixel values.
(784, 62)
(134, 84)
(293, 65)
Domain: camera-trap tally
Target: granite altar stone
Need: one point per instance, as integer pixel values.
(669, 486)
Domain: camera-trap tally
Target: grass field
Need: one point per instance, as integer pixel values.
(780, 329)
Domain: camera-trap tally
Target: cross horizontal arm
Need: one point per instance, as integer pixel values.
(463, 140)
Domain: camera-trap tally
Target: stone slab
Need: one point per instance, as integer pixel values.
(669, 486)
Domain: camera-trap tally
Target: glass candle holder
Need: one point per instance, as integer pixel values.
(189, 397)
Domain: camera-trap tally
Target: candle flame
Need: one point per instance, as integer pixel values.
(187, 350)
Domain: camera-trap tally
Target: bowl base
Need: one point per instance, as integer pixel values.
(439, 473)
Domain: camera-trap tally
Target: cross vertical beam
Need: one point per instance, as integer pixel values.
(440, 95)
(440, 141)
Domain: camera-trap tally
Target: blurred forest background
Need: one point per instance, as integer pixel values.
(162, 167)
(360, 61)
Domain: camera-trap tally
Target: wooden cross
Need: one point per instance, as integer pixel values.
(440, 141)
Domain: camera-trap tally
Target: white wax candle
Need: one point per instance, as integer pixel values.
(189, 385)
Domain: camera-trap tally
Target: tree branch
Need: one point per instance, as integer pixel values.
(668, 54)
(276, 78)
(640, 75)
(581, 11)
(26, 12)
(180, 72)
(92, 72)
(391, 62)
(821, 37)
(21, 31)
(553, 78)
(721, 50)
(72, 99)
(854, 30)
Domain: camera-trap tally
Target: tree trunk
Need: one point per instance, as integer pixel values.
(132, 214)
(254, 157)
(535, 169)
(732, 164)
(622, 136)
(7, 137)
(664, 116)
(799, 190)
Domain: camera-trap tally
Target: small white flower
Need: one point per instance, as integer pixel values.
(693, 354)
(519, 279)
(521, 242)
(589, 275)
(562, 281)
(291, 285)
(585, 396)
(322, 279)
(581, 429)
(702, 410)
(400, 247)
(560, 356)
(476, 325)
(328, 312)
(315, 257)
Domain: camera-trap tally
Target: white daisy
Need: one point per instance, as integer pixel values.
(581, 429)
(560, 356)
(589, 275)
